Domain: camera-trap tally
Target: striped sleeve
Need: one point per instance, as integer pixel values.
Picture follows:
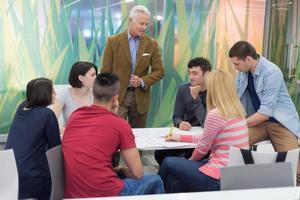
(187, 138)
(214, 123)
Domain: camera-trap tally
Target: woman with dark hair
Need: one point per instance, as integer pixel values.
(81, 79)
(33, 131)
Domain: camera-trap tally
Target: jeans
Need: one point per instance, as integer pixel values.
(149, 184)
(180, 175)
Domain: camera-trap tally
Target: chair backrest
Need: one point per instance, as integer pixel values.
(257, 176)
(282, 173)
(236, 158)
(56, 166)
(9, 180)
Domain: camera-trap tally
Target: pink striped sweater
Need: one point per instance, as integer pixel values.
(218, 135)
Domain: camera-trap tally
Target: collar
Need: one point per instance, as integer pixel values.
(129, 36)
(259, 66)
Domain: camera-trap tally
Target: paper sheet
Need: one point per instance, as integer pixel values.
(154, 138)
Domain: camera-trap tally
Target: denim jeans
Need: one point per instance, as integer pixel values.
(149, 184)
(181, 175)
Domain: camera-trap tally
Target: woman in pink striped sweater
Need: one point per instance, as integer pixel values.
(225, 126)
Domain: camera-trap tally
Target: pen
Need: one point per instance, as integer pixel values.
(170, 132)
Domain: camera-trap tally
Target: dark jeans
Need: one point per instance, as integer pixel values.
(160, 155)
(181, 175)
(36, 188)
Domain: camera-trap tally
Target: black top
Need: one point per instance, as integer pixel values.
(31, 134)
(188, 109)
(253, 95)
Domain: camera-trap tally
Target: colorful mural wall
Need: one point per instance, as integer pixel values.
(45, 37)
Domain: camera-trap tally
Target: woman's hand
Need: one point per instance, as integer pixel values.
(173, 138)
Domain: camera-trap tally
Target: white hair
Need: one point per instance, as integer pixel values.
(139, 9)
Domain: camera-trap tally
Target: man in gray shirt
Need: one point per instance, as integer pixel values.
(190, 104)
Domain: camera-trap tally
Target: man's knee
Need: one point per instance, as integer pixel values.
(257, 134)
(154, 184)
(154, 179)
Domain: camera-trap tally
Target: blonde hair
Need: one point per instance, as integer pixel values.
(221, 94)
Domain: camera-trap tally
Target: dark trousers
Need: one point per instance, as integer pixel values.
(36, 188)
(160, 155)
(181, 175)
(128, 110)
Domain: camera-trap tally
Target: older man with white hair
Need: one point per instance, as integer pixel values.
(135, 58)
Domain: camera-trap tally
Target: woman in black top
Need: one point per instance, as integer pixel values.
(34, 130)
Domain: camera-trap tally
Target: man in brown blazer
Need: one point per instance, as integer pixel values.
(135, 58)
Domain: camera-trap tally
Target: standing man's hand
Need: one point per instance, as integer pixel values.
(195, 90)
(135, 81)
(115, 106)
(185, 126)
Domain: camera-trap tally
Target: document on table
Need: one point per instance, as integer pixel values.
(195, 130)
(154, 138)
(160, 132)
(147, 143)
(160, 143)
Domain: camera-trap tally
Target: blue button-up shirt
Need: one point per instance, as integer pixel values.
(272, 93)
(133, 47)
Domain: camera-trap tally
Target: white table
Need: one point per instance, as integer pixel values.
(154, 138)
(288, 193)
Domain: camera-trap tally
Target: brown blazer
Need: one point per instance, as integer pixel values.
(149, 66)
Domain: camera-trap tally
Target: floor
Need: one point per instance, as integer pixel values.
(148, 161)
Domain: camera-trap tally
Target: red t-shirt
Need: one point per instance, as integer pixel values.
(91, 137)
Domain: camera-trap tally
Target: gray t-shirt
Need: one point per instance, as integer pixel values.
(68, 103)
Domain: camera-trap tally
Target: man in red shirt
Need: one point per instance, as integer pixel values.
(92, 135)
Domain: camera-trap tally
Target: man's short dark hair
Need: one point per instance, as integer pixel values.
(242, 49)
(202, 62)
(79, 68)
(106, 86)
(39, 92)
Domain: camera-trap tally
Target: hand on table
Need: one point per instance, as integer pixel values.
(185, 126)
(173, 138)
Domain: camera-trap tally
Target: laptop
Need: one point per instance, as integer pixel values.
(257, 176)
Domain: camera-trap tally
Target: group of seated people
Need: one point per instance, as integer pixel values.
(94, 133)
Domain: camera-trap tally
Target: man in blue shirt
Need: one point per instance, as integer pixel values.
(271, 113)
